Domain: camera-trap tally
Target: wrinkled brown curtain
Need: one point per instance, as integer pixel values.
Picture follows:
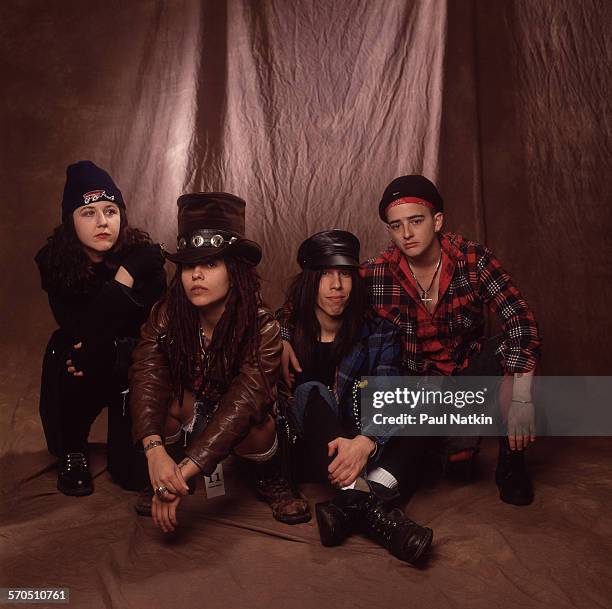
(307, 109)
(535, 133)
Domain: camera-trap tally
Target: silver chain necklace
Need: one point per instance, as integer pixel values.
(425, 292)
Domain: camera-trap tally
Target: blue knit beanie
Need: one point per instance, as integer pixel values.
(86, 183)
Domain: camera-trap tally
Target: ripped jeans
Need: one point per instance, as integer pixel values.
(195, 428)
(178, 442)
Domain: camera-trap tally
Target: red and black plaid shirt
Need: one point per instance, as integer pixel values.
(470, 279)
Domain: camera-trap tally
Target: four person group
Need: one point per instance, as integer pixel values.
(214, 372)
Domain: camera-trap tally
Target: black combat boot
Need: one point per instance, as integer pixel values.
(74, 477)
(338, 518)
(511, 475)
(404, 538)
(357, 511)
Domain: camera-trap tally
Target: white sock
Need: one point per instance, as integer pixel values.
(382, 476)
(261, 457)
(359, 485)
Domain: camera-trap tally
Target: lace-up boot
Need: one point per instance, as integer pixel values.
(273, 488)
(404, 538)
(339, 517)
(74, 477)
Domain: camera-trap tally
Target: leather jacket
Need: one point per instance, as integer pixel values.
(246, 402)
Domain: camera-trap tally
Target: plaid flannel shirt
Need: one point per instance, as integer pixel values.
(377, 353)
(470, 279)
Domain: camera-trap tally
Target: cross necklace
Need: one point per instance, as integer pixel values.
(425, 292)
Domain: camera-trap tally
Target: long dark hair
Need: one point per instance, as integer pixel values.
(306, 328)
(236, 335)
(67, 265)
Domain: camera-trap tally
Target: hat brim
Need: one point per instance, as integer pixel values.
(324, 261)
(249, 251)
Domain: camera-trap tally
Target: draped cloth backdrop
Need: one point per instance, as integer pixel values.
(307, 110)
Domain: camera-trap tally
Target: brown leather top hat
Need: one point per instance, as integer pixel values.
(212, 224)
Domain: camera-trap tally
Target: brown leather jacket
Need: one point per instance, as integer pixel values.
(244, 404)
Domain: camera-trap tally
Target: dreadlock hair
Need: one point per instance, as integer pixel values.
(302, 298)
(236, 335)
(68, 267)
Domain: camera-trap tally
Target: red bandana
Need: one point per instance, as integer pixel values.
(410, 200)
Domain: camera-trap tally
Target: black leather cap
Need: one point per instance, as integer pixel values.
(329, 248)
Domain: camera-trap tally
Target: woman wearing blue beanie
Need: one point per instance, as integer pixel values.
(102, 277)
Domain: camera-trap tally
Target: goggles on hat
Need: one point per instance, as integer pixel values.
(206, 238)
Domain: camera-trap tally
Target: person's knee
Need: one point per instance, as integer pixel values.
(306, 390)
(259, 439)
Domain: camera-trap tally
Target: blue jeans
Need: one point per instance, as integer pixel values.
(319, 422)
(300, 402)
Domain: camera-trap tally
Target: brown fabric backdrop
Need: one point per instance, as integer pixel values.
(307, 109)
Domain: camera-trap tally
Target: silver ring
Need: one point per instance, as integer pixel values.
(160, 491)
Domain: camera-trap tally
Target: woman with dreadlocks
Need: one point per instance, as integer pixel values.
(204, 374)
(102, 277)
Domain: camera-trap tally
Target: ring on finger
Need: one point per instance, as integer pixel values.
(160, 491)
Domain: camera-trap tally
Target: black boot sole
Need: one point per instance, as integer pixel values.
(509, 498)
(74, 492)
(422, 548)
(515, 500)
(329, 524)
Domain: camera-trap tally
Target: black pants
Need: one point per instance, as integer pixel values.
(69, 405)
(484, 363)
(401, 456)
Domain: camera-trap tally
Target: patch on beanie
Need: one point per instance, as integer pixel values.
(95, 195)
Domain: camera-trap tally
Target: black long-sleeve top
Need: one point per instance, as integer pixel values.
(107, 310)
